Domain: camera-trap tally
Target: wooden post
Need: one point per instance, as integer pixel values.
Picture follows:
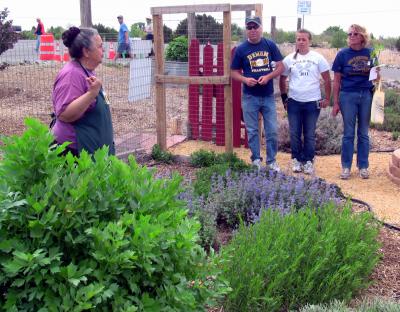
(273, 27)
(248, 14)
(86, 13)
(258, 12)
(160, 86)
(228, 87)
(191, 22)
(298, 23)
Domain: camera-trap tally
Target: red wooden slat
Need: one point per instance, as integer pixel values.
(219, 97)
(194, 66)
(207, 99)
(237, 109)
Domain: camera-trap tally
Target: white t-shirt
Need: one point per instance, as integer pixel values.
(304, 75)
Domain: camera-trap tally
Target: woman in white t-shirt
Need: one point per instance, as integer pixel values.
(304, 102)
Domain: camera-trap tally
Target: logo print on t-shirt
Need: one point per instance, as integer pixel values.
(259, 61)
(359, 65)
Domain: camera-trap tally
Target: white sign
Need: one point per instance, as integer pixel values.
(303, 7)
(139, 79)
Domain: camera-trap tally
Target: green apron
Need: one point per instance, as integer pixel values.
(94, 129)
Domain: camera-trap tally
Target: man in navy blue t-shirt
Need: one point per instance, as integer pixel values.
(252, 65)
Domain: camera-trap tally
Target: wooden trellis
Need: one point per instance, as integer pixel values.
(161, 79)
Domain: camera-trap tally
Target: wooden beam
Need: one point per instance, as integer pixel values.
(228, 112)
(190, 9)
(258, 10)
(191, 23)
(86, 13)
(243, 7)
(159, 78)
(160, 87)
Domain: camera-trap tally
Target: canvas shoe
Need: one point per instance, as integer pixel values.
(308, 167)
(257, 163)
(296, 165)
(364, 174)
(345, 174)
(274, 166)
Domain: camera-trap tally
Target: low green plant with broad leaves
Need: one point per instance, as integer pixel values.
(305, 257)
(162, 156)
(95, 233)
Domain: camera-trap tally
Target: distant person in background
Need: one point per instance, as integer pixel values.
(304, 69)
(149, 29)
(352, 96)
(81, 107)
(124, 47)
(149, 34)
(38, 32)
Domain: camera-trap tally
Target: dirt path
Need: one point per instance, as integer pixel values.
(378, 191)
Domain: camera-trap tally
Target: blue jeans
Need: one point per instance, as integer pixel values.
(303, 118)
(37, 43)
(355, 107)
(251, 106)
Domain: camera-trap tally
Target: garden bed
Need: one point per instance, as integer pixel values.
(386, 276)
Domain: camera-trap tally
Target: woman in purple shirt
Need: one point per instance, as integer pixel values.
(82, 112)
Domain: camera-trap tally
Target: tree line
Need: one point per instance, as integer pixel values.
(208, 29)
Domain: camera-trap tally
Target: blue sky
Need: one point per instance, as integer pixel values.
(379, 17)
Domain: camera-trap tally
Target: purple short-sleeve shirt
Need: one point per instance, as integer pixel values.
(69, 85)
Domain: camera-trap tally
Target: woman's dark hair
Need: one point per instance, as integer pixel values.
(78, 38)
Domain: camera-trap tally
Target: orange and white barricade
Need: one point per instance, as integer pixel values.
(111, 51)
(46, 49)
(57, 53)
(66, 56)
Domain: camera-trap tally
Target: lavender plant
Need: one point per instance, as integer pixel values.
(245, 195)
(252, 192)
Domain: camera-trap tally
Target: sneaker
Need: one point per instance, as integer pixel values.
(296, 165)
(274, 166)
(257, 163)
(309, 167)
(364, 174)
(345, 174)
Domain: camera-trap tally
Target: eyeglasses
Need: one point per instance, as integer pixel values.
(352, 34)
(250, 27)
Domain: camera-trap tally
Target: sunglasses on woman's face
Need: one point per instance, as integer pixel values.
(250, 27)
(352, 34)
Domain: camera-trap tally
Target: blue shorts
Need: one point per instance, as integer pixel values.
(124, 48)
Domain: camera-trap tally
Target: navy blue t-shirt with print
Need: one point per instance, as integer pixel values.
(354, 65)
(255, 61)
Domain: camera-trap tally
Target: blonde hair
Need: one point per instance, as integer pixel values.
(363, 33)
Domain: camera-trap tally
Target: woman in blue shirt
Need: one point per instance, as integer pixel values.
(352, 96)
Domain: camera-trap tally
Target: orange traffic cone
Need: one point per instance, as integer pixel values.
(66, 57)
(46, 49)
(57, 53)
(111, 51)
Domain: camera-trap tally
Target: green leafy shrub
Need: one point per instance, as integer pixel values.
(177, 49)
(203, 158)
(328, 134)
(285, 262)
(95, 234)
(159, 155)
(395, 135)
